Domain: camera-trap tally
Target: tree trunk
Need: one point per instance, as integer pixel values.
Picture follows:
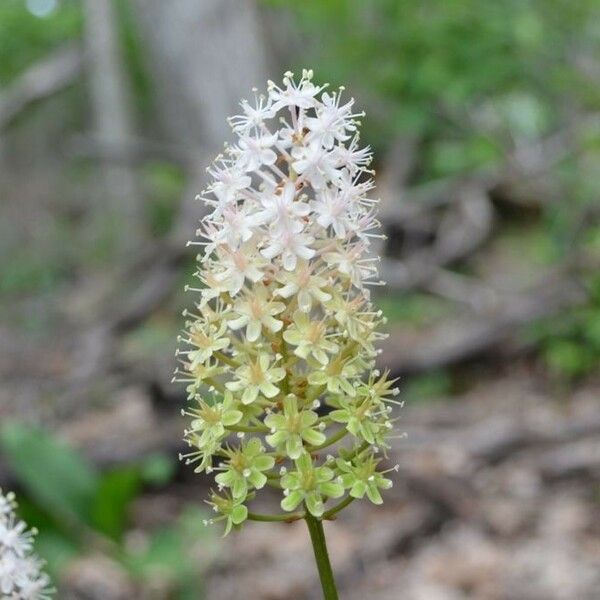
(204, 56)
(111, 111)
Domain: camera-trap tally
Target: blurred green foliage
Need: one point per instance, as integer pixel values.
(173, 551)
(27, 270)
(471, 80)
(570, 344)
(25, 38)
(78, 509)
(56, 476)
(462, 75)
(435, 385)
(416, 309)
(164, 183)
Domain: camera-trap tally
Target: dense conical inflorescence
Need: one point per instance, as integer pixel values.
(21, 572)
(278, 353)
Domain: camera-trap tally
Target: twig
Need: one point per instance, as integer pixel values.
(41, 80)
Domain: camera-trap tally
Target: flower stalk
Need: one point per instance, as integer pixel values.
(317, 537)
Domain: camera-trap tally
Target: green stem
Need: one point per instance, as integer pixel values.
(336, 437)
(248, 428)
(287, 517)
(339, 506)
(216, 384)
(273, 483)
(317, 537)
(226, 359)
(315, 394)
(356, 451)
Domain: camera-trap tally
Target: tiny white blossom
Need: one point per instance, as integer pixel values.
(21, 574)
(238, 265)
(7, 504)
(352, 157)
(304, 284)
(332, 121)
(316, 164)
(237, 225)
(254, 116)
(301, 95)
(255, 311)
(332, 209)
(346, 260)
(254, 152)
(291, 246)
(283, 210)
(228, 182)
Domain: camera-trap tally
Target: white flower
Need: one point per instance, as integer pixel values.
(33, 586)
(333, 210)
(301, 95)
(310, 338)
(316, 164)
(291, 245)
(239, 264)
(253, 152)
(303, 284)
(257, 377)
(347, 261)
(332, 121)
(207, 338)
(254, 116)
(356, 190)
(213, 287)
(281, 209)
(362, 225)
(21, 574)
(228, 182)
(236, 226)
(256, 311)
(7, 504)
(15, 537)
(353, 157)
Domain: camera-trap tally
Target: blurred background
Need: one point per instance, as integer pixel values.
(485, 121)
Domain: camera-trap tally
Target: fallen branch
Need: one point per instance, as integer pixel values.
(133, 150)
(465, 337)
(41, 80)
(577, 459)
(463, 227)
(523, 164)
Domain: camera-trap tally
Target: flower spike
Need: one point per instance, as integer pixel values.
(278, 353)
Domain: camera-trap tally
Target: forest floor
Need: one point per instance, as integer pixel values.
(497, 498)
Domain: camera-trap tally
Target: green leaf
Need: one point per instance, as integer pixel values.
(178, 553)
(432, 385)
(568, 358)
(55, 475)
(158, 469)
(110, 507)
